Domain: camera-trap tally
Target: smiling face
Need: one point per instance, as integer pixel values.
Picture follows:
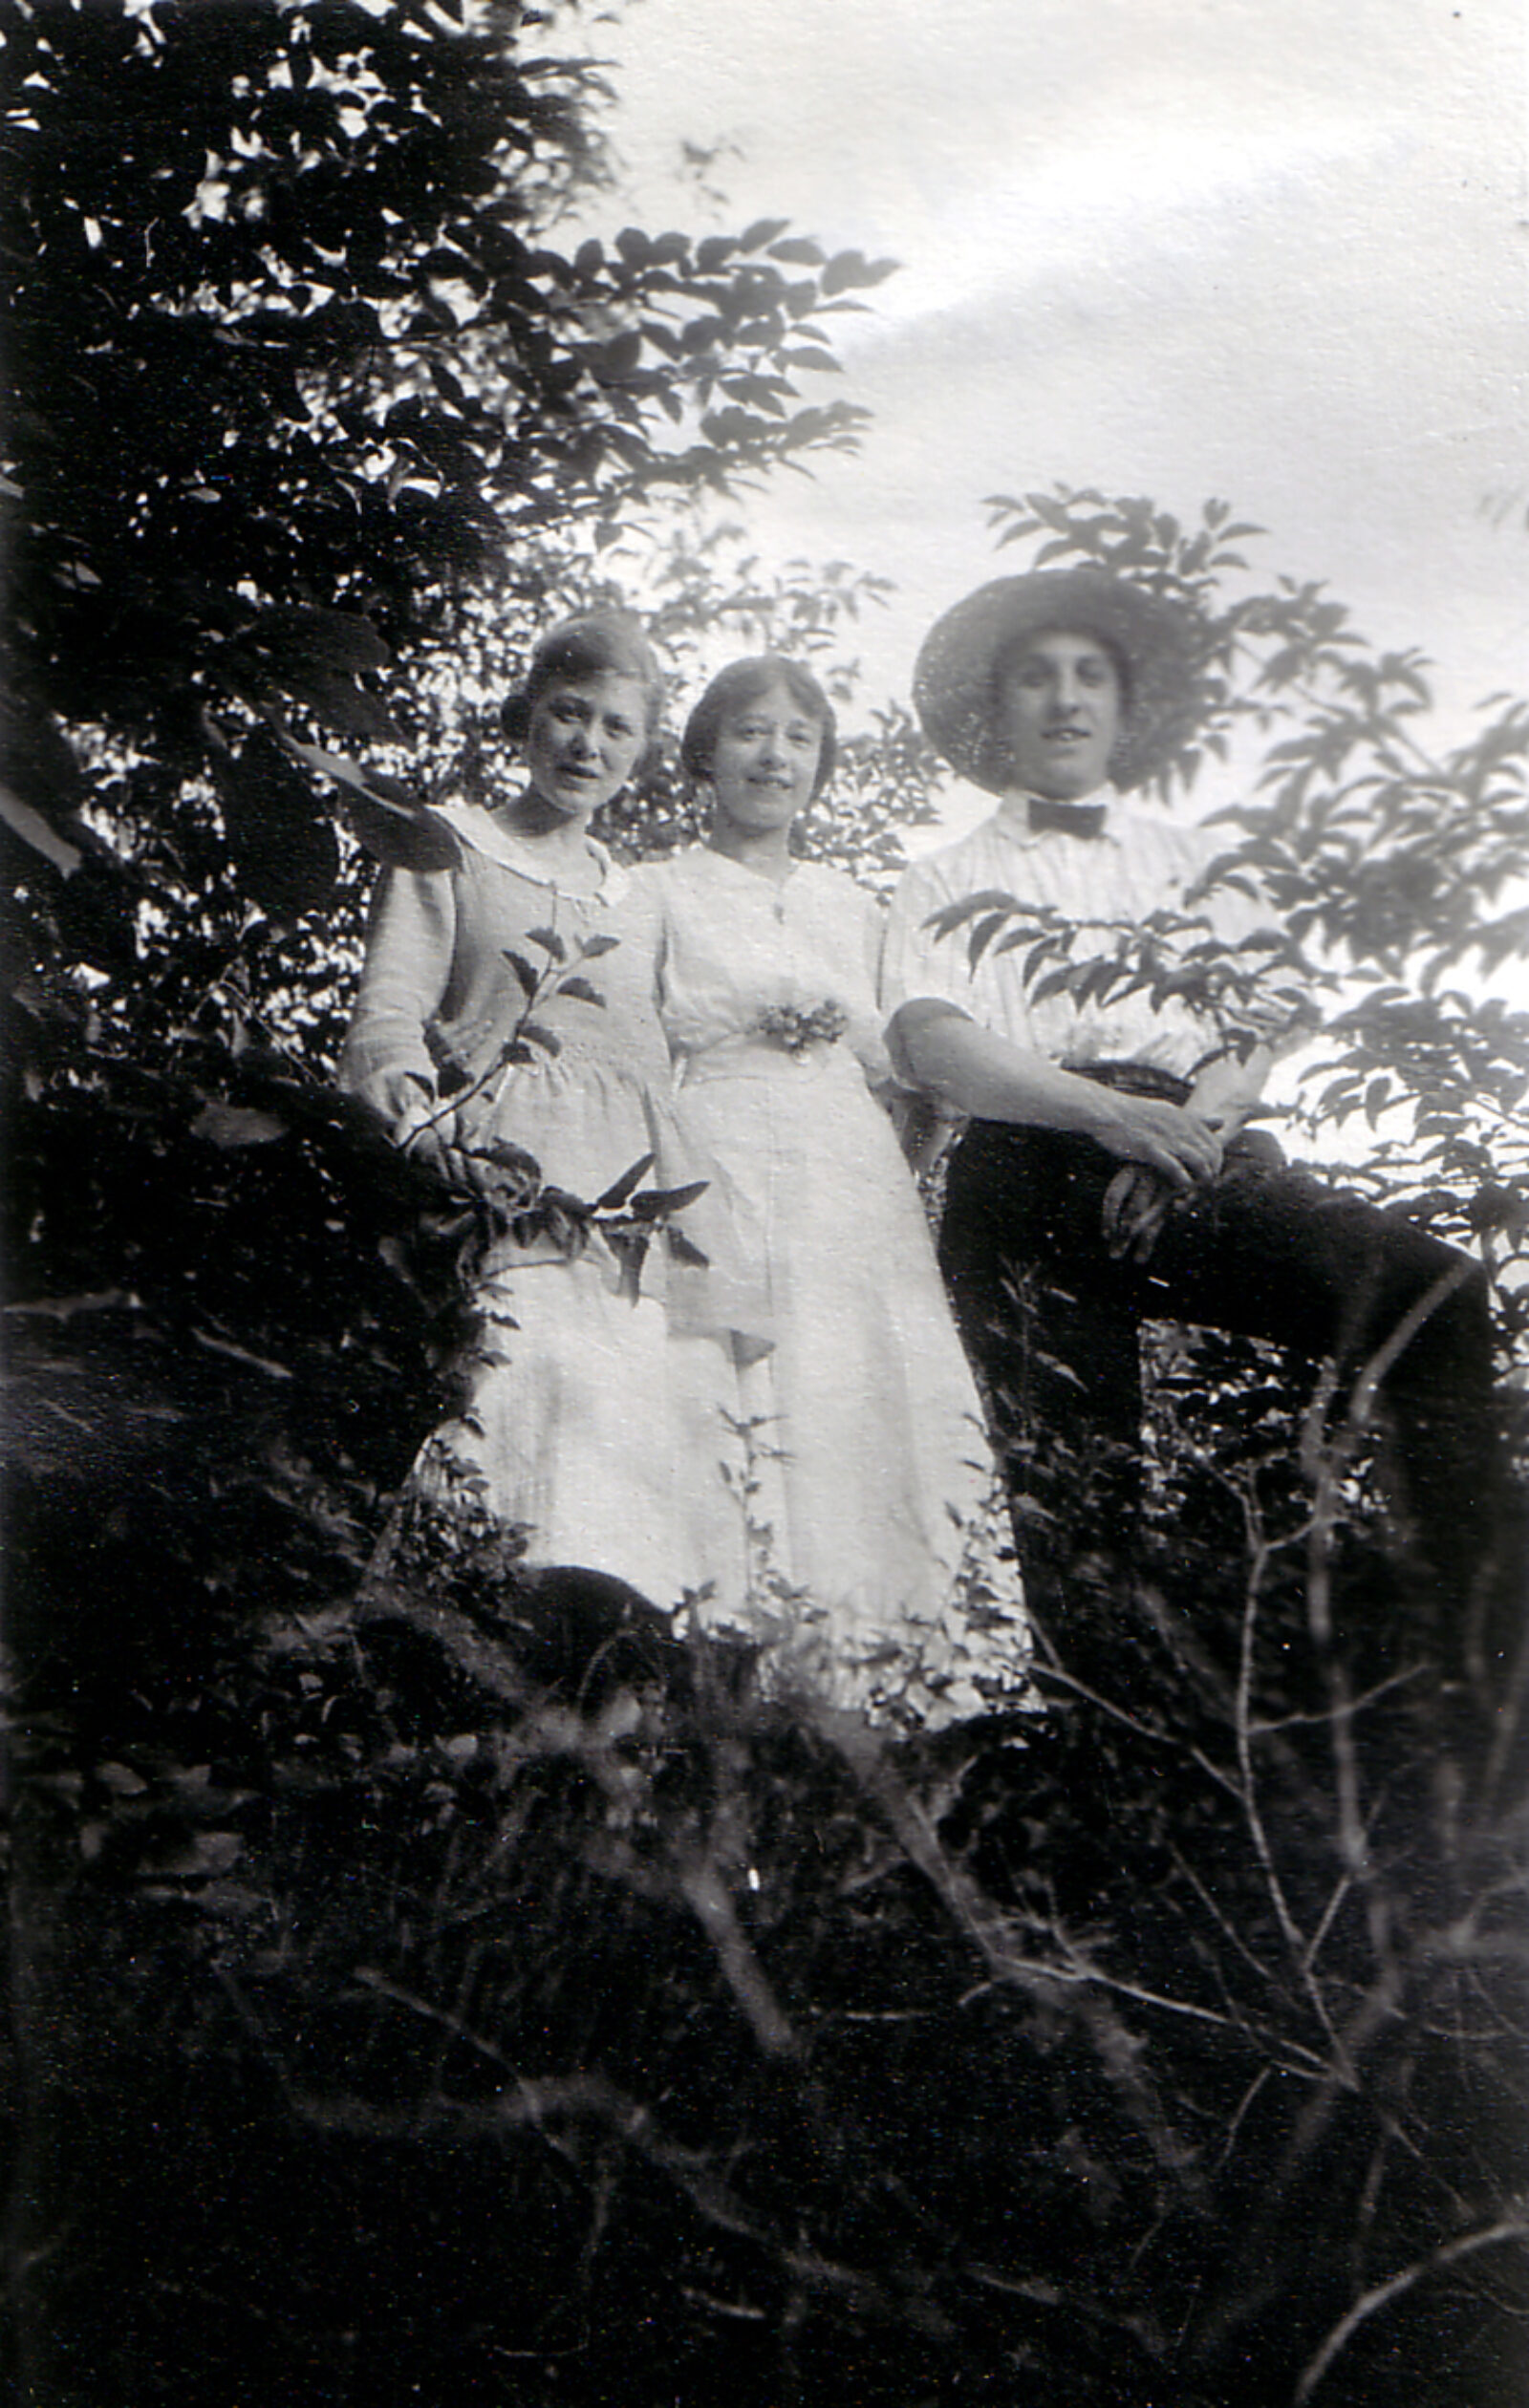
(584, 737)
(1060, 707)
(764, 762)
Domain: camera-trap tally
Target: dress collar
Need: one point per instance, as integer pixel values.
(755, 877)
(489, 836)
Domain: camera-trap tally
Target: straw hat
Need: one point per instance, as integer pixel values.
(954, 692)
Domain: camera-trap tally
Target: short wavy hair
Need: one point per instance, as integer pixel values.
(734, 688)
(591, 644)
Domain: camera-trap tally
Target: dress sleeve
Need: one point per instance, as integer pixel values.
(410, 946)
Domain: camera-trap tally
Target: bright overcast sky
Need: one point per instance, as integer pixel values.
(1271, 250)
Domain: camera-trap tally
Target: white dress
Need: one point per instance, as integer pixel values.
(587, 1406)
(877, 1578)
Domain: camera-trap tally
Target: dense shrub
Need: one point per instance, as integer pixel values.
(438, 1989)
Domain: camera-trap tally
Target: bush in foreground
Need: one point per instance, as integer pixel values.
(431, 1990)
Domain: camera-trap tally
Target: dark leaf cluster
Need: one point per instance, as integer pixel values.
(298, 367)
(1397, 868)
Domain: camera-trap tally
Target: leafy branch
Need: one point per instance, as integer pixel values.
(509, 1197)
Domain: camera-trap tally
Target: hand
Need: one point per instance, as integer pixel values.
(1181, 1145)
(1136, 1204)
(443, 1145)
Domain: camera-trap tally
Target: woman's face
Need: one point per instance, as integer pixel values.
(584, 738)
(765, 763)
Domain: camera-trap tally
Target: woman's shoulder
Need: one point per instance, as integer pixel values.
(829, 877)
(487, 847)
(835, 890)
(674, 872)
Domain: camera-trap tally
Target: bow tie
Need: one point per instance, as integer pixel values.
(1065, 819)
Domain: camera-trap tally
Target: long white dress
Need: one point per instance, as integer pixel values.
(877, 1578)
(587, 1409)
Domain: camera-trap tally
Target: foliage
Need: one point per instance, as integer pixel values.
(449, 1986)
(1399, 870)
(438, 1985)
(299, 367)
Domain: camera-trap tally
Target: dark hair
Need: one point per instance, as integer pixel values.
(742, 682)
(591, 644)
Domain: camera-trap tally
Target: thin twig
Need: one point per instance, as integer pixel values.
(1449, 2252)
(1295, 1939)
(1144, 1730)
(1401, 1337)
(1026, 1973)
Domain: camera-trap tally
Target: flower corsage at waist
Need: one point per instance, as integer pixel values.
(793, 1029)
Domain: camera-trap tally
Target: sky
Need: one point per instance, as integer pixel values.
(1270, 249)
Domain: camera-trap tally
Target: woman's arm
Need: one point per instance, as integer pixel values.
(410, 947)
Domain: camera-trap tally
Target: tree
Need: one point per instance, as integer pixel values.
(1399, 869)
(299, 368)
(377, 1943)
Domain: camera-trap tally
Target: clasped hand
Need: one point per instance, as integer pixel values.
(1170, 1152)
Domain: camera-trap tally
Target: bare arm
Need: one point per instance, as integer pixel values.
(974, 1071)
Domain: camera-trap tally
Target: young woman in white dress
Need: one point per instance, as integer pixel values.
(587, 1404)
(876, 1580)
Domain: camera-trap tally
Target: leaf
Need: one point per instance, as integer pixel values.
(684, 1249)
(590, 948)
(534, 1033)
(446, 384)
(983, 936)
(307, 637)
(662, 1200)
(231, 1126)
(33, 829)
(514, 1159)
(528, 976)
(582, 991)
(951, 915)
(613, 362)
(282, 840)
(122, 1780)
(618, 1194)
(550, 941)
(632, 1247)
(395, 830)
(334, 696)
(849, 268)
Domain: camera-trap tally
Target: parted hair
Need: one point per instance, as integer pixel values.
(591, 644)
(742, 682)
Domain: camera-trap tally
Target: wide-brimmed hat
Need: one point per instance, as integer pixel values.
(954, 683)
